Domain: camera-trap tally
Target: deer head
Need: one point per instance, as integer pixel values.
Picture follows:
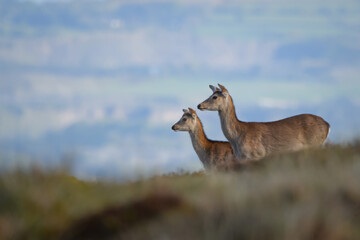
(216, 100)
(187, 121)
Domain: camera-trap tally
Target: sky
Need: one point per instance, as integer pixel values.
(103, 81)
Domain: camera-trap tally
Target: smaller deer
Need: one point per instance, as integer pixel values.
(215, 155)
(255, 140)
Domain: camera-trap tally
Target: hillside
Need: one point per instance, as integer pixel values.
(306, 195)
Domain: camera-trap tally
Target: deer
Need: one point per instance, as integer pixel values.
(252, 141)
(214, 155)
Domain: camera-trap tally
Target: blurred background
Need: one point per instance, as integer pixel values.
(100, 82)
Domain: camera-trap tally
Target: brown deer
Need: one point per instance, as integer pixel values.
(255, 140)
(215, 155)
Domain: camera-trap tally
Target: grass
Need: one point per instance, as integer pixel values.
(312, 194)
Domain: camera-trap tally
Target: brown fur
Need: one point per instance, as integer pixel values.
(255, 140)
(215, 155)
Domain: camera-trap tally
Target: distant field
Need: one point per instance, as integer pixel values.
(307, 195)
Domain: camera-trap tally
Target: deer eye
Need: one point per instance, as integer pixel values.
(184, 119)
(214, 97)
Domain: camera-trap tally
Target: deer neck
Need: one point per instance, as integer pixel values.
(230, 125)
(200, 142)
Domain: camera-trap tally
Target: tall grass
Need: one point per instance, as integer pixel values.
(313, 194)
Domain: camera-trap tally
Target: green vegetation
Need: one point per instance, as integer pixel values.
(312, 194)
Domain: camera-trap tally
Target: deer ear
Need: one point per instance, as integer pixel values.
(193, 113)
(185, 111)
(212, 88)
(223, 89)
